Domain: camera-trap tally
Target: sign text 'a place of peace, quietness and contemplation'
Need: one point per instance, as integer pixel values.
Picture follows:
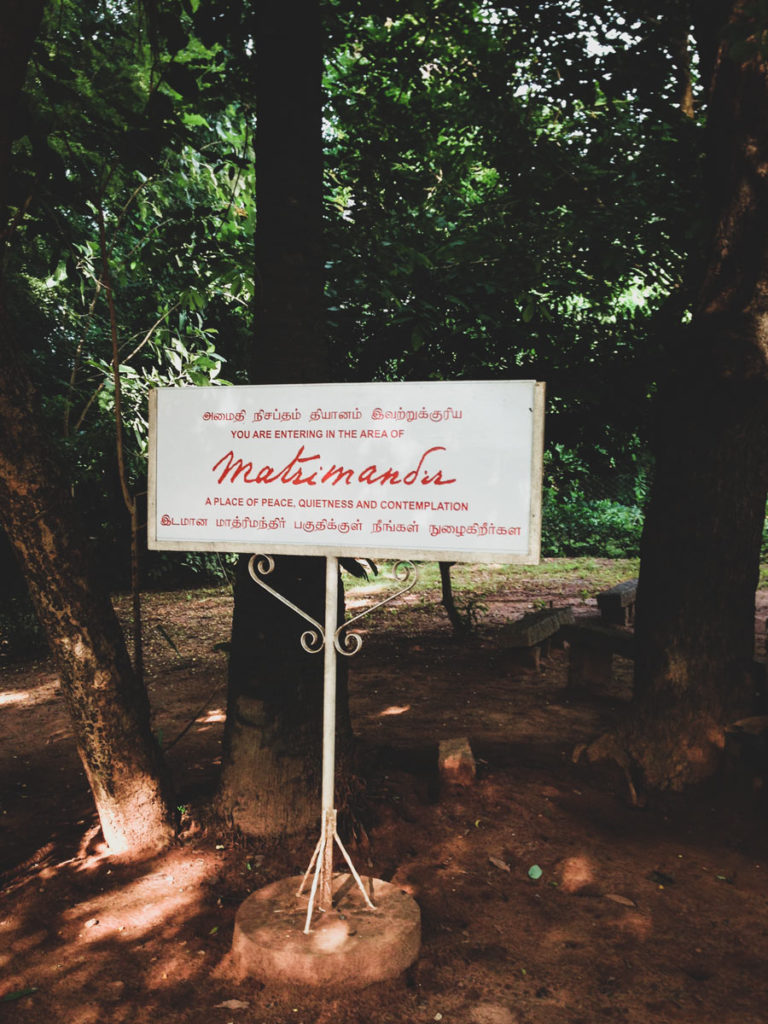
(441, 470)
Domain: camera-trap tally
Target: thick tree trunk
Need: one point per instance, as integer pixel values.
(271, 775)
(701, 543)
(289, 342)
(110, 711)
(699, 568)
(271, 765)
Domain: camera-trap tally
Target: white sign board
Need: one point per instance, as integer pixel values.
(447, 470)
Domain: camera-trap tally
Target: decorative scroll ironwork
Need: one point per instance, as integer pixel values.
(313, 640)
(350, 643)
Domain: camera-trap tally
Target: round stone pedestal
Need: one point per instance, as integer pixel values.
(349, 945)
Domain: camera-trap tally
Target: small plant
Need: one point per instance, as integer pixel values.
(472, 612)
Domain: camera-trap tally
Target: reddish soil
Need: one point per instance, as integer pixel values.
(646, 915)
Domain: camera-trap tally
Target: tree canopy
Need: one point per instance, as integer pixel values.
(508, 192)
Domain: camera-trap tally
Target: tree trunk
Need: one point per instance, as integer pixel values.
(701, 542)
(289, 342)
(110, 711)
(270, 781)
(271, 775)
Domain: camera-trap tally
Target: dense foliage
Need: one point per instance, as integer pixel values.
(511, 201)
(508, 194)
(134, 166)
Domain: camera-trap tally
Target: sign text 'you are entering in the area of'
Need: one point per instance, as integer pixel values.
(447, 470)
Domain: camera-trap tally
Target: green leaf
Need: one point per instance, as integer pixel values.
(11, 997)
(195, 121)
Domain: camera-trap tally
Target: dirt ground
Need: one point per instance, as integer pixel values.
(656, 915)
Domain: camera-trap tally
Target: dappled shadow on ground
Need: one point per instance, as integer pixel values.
(544, 899)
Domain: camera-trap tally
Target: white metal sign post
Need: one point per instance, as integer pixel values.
(446, 470)
(332, 639)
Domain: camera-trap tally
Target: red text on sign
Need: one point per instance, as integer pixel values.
(300, 471)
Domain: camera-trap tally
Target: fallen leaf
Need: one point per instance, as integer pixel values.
(614, 897)
(232, 1004)
(497, 863)
(11, 997)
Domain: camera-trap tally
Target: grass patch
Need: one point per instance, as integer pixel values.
(597, 574)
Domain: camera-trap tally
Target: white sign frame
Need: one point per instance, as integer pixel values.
(475, 445)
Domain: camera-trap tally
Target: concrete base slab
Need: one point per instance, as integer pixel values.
(349, 946)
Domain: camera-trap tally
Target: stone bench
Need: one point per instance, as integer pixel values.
(592, 647)
(617, 605)
(532, 635)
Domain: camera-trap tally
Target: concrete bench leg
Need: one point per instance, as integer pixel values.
(587, 666)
